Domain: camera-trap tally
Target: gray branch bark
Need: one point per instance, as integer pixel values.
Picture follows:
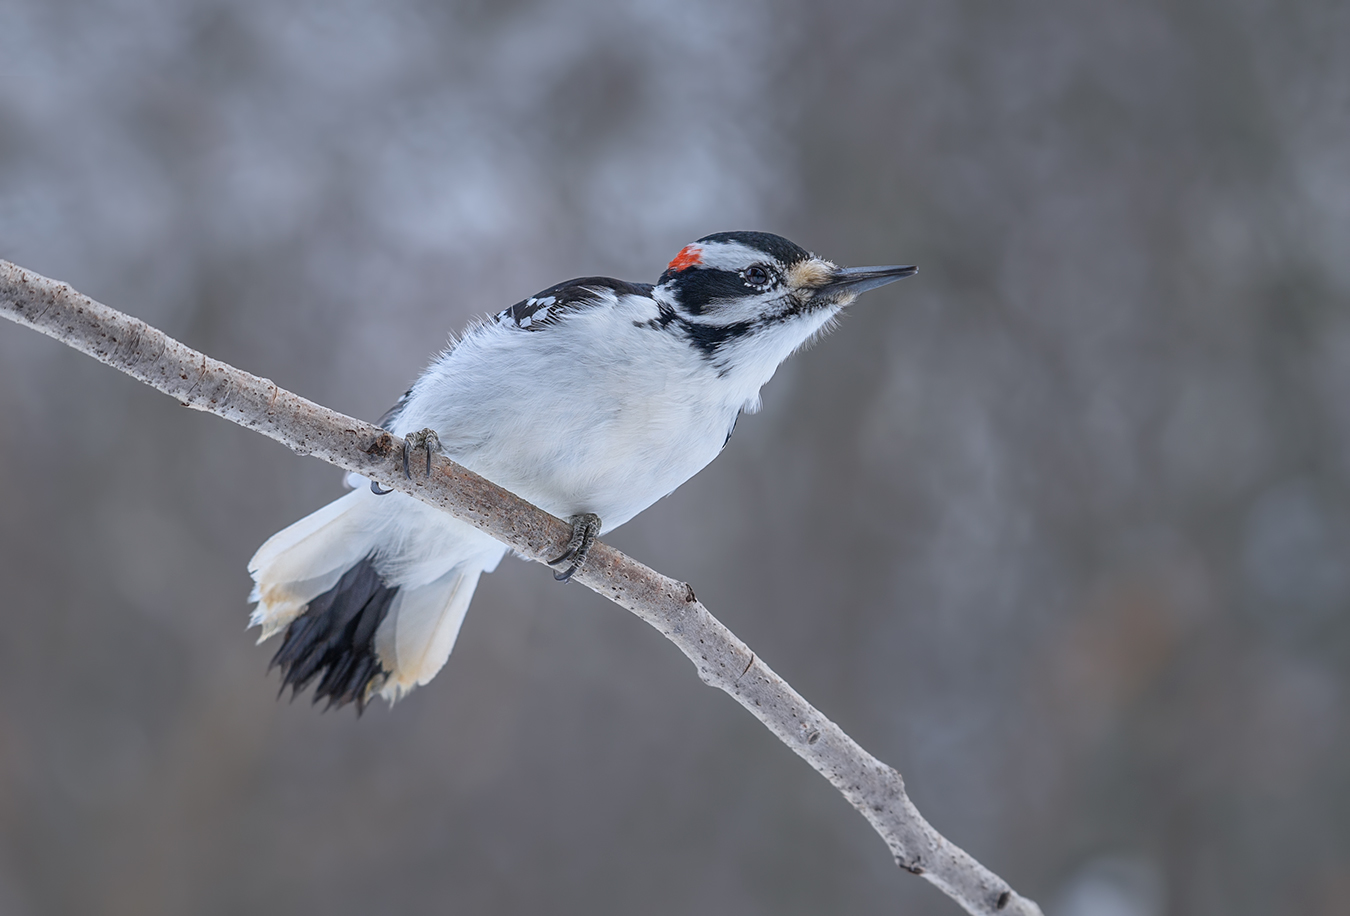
(723, 661)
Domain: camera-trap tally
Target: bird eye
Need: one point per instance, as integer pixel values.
(756, 276)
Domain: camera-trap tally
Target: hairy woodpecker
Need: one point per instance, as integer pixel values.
(592, 399)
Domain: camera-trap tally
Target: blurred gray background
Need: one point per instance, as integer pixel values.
(1060, 527)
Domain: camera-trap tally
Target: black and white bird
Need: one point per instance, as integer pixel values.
(592, 399)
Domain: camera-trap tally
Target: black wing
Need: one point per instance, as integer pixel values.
(555, 303)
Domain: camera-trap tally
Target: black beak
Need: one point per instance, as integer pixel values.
(851, 281)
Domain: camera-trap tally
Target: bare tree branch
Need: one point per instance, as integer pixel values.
(723, 661)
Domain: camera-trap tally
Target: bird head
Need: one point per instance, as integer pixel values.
(752, 298)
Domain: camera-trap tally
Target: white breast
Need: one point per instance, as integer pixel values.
(600, 413)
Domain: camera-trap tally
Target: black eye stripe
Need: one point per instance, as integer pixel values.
(697, 289)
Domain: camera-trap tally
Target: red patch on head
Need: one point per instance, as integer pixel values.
(689, 256)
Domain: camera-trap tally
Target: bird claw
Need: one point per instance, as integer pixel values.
(424, 439)
(585, 529)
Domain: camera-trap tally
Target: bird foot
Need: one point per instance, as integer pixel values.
(424, 439)
(585, 528)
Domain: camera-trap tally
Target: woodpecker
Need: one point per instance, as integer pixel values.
(592, 400)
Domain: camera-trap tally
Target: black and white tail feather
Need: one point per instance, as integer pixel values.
(593, 397)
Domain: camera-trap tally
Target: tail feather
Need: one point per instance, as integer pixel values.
(334, 639)
(424, 624)
(305, 560)
(370, 592)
